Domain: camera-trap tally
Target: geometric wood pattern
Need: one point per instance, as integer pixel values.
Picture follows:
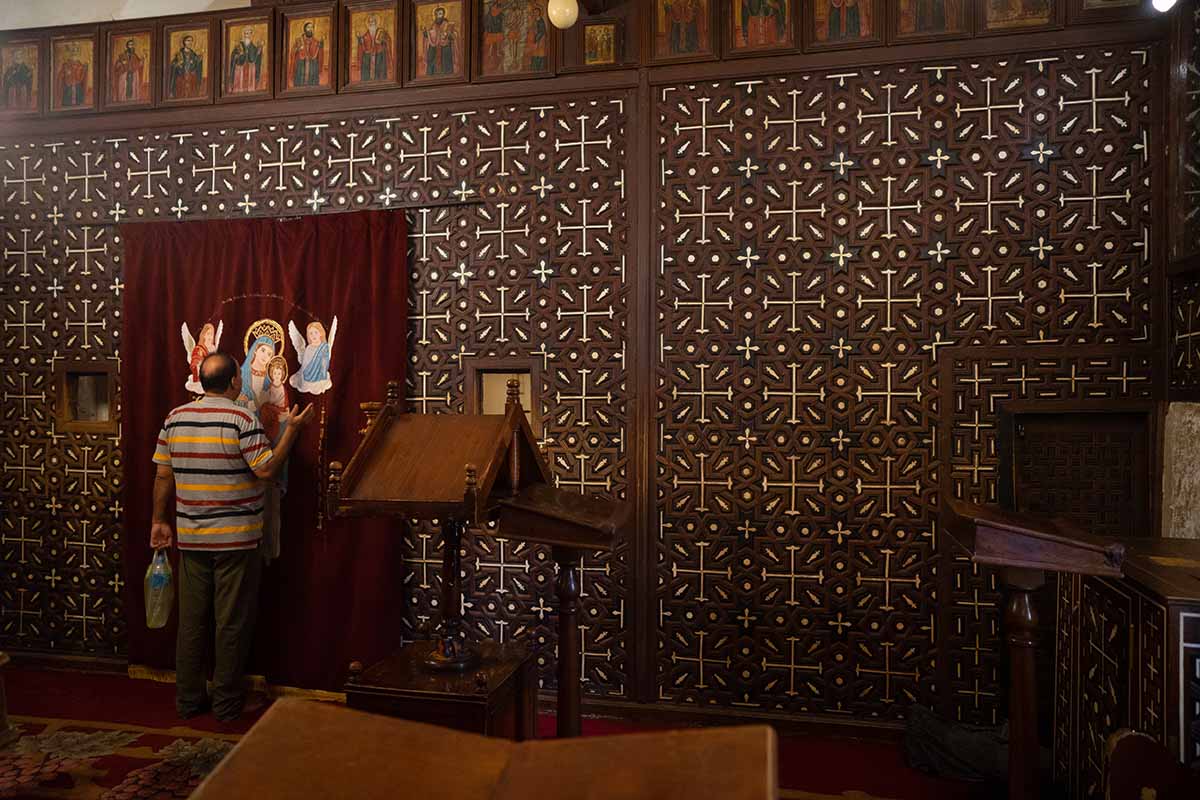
(1113, 649)
(518, 248)
(854, 272)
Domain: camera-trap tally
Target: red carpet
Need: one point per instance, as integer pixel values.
(94, 735)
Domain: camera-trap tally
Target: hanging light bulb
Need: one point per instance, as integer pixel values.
(1164, 5)
(563, 13)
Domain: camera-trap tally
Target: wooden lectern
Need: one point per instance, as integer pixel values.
(466, 470)
(1025, 546)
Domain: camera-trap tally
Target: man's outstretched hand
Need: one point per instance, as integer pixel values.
(301, 418)
(160, 535)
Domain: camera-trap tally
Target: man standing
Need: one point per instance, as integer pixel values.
(214, 456)
(127, 75)
(308, 57)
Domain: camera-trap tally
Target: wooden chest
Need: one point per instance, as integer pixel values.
(496, 698)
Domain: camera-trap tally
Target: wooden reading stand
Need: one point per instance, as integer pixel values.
(1026, 545)
(466, 470)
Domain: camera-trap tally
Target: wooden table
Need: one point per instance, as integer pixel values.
(323, 750)
(498, 697)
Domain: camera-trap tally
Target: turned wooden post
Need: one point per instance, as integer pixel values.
(569, 711)
(1020, 623)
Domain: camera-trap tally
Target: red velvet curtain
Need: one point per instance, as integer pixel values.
(334, 593)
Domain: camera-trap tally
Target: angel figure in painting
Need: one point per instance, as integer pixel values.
(210, 340)
(314, 351)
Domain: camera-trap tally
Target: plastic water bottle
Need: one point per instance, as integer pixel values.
(160, 590)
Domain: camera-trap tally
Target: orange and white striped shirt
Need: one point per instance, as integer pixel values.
(213, 446)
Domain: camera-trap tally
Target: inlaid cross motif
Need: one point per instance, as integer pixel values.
(889, 393)
(1095, 295)
(583, 398)
(351, 160)
(791, 576)
(280, 165)
(87, 176)
(148, 172)
(21, 539)
(700, 572)
(1095, 101)
(794, 394)
(585, 314)
(703, 393)
(888, 487)
(989, 204)
(888, 579)
(25, 252)
(794, 213)
(1094, 199)
(500, 565)
(424, 154)
(703, 214)
(888, 300)
(987, 109)
(503, 314)
(888, 208)
(583, 143)
(699, 659)
(502, 148)
(583, 227)
(796, 121)
(793, 487)
(705, 126)
(22, 611)
(24, 180)
(703, 482)
(889, 114)
(792, 666)
(703, 304)
(213, 168)
(85, 546)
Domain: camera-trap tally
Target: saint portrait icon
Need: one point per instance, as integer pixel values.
(73, 74)
(439, 40)
(372, 42)
(247, 69)
(19, 76)
(309, 53)
(129, 63)
(187, 64)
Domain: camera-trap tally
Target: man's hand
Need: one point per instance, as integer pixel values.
(160, 535)
(301, 418)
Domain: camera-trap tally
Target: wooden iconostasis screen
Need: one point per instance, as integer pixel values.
(849, 274)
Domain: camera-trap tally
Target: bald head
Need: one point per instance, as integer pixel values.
(216, 373)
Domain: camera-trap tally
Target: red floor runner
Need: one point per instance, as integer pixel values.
(808, 763)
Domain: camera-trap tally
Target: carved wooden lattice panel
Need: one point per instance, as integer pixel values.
(1105, 649)
(1191, 162)
(1184, 335)
(518, 247)
(828, 243)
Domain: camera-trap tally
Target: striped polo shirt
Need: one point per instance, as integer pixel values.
(212, 445)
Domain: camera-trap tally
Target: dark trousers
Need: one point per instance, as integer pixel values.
(225, 586)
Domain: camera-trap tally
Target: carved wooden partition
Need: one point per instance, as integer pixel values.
(778, 310)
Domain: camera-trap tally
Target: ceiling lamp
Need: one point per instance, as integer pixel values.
(563, 13)
(1159, 5)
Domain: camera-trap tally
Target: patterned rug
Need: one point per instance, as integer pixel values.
(57, 758)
